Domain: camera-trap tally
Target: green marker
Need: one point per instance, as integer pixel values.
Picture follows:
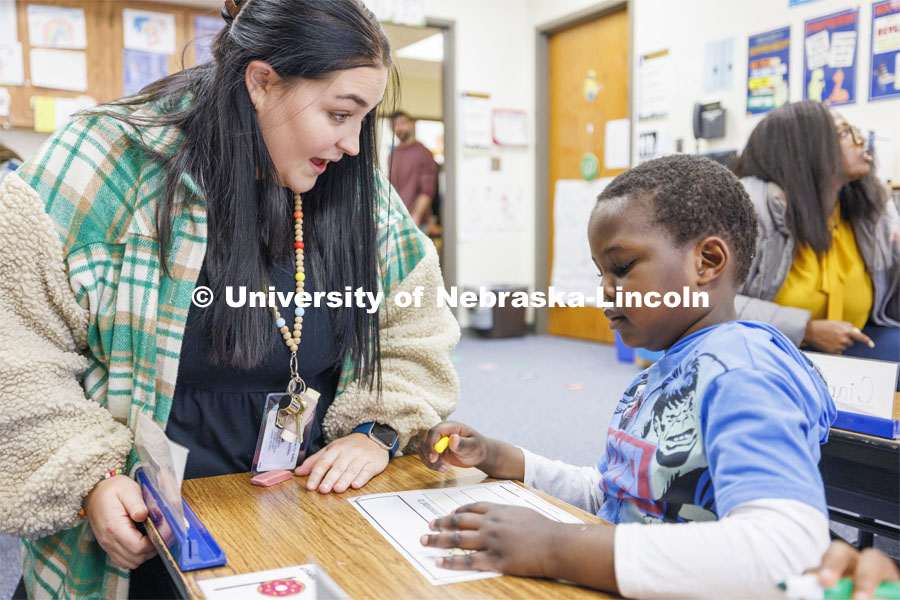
(806, 587)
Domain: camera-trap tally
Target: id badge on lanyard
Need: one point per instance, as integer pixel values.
(284, 433)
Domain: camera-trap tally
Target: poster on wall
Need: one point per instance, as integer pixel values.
(829, 45)
(59, 69)
(884, 76)
(140, 69)
(573, 269)
(475, 120)
(149, 31)
(56, 27)
(768, 65)
(12, 66)
(205, 29)
(656, 85)
(9, 29)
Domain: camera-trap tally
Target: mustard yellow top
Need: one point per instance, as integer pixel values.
(834, 286)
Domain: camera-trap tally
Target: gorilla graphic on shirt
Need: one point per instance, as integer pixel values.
(679, 473)
(655, 467)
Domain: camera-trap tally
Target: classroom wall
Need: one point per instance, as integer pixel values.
(686, 26)
(24, 141)
(494, 55)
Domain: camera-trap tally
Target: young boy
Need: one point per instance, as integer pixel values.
(718, 440)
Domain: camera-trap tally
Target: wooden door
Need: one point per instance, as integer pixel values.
(599, 46)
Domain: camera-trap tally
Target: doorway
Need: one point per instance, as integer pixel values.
(586, 66)
(423, 56)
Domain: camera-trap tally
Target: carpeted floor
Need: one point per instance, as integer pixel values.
(551, 395)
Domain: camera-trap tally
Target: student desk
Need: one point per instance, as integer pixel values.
(284, 525)
(862, 477)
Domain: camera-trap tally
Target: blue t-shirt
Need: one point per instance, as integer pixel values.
(730, 414)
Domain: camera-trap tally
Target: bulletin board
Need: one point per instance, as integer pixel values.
(104, 50)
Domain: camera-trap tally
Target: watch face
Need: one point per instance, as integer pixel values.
(384, 434)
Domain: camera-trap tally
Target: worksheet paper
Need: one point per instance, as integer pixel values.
(403, 517)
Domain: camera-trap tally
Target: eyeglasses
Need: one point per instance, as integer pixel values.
(847, 129)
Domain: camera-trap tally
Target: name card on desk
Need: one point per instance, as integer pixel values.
(859, 385)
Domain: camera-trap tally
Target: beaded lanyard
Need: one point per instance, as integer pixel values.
(296, 387)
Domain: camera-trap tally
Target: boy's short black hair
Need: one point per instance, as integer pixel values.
(694, 197)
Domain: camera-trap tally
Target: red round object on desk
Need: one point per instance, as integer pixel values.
(280, 588)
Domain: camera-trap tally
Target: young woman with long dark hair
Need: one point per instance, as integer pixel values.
(254, 171)
(827, 266)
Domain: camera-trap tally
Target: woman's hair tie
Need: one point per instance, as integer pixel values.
(231, 9)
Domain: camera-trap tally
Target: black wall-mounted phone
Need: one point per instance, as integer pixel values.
(709, 121)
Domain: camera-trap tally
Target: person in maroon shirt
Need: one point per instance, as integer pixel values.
(413, 171)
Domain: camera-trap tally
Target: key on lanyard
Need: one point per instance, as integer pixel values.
(296, 409)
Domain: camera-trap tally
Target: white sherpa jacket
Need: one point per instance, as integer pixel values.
(91, 331)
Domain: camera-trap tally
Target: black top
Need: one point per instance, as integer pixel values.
(217, 410)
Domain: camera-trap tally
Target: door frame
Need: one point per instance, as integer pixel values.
(542, 132)
(448, 203)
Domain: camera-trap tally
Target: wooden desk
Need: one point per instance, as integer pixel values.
(266, 528)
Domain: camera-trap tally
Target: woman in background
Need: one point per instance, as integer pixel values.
(827, 268)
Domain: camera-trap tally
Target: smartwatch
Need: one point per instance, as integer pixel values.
(383, 435)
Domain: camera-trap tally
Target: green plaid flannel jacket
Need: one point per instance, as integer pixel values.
(99, 188)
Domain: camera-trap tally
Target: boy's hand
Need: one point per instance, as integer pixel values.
(834, 336)
(467, 447)
(507, 539)
(867, 568)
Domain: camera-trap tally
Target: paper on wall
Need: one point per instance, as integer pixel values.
(475, 120)
(59, 69)
(9, 28)
(205, 29)
(656, 85)
(140, 69)
(56, 27)
(617, 146)
(843, 47)
(149, 31)
(12, 66)
(573, 269)
(510, 128)
(52, 113)
(818, 50)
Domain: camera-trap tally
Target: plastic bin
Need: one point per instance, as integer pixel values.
(498, 321)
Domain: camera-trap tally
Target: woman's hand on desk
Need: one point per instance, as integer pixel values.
(111, 507)
(350, 461)
(834, 336)
(506, 539)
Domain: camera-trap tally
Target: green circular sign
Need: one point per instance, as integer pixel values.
(589, 166)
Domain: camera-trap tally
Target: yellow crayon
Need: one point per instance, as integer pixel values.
(442, 444)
